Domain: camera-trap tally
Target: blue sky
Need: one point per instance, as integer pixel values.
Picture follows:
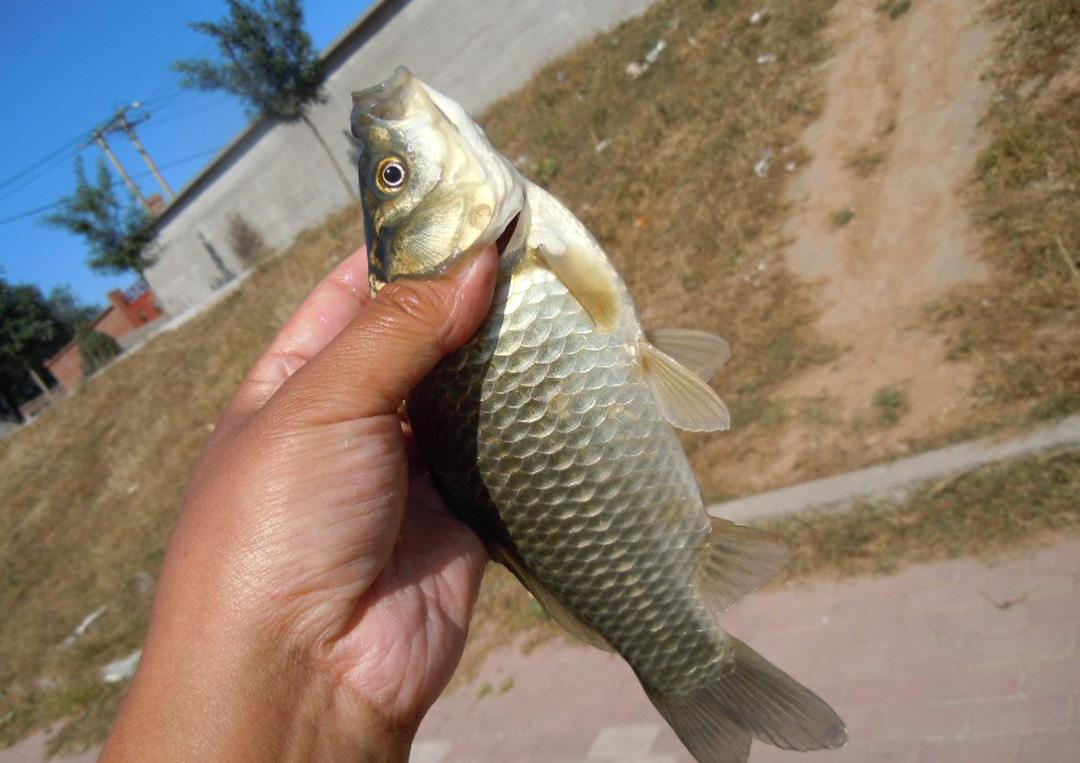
(65, 66)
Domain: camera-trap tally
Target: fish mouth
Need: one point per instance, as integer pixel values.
(383, 102)
(508, 233)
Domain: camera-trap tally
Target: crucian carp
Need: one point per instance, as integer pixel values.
(552, 432)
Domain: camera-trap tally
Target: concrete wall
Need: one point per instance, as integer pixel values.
(279, 179)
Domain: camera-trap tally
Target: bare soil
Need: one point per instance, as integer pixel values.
(879, 227)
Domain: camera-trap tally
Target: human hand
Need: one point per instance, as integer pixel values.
(315, 596)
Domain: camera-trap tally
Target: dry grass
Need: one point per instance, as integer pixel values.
(673, 196)
(91, 489)
(1001, 508)
(1022, 327)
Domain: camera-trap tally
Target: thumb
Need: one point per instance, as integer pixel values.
(396, 340)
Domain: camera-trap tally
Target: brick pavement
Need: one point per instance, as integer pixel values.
(947, 662)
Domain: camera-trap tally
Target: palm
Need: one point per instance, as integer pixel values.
(408, 629)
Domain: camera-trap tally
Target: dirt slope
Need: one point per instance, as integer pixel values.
(879, 227)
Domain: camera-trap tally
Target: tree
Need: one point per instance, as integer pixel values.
(269, 61)
(33, 329)
(66, 308)
(96, 350)
(29, 334)
(119, 234)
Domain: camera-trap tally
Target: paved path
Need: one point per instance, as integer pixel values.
(895, 479)
(942, 663)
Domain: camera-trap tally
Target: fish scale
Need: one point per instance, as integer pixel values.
(580, 468)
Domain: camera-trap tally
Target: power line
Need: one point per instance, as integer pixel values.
(64, 151)
(184, 160)
(73, 143)
(145, 173)
(172, 84)
(184, 99)
(58, 156)
(31, 213)
(42, 171)
(193, 110)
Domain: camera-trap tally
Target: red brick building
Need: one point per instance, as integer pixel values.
(127, 312)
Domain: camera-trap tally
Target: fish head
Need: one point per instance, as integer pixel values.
(432, 187)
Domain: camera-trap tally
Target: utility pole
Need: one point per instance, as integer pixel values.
(129, 128)
(99, 138)
(121, 123)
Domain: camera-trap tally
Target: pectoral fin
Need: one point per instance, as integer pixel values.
(588, 279)
(572, 254)
(701, 352)
(686, 401)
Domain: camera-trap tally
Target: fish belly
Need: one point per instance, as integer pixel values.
(546, 441)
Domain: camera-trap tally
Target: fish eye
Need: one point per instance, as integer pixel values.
(390, 175)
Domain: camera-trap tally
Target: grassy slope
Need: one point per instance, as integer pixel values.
(1022, 327)
(674, 198)
(1000, 508)
(91, 489)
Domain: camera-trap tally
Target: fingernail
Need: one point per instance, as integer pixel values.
(471, 264)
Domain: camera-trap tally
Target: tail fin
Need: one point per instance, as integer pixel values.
(752, 698)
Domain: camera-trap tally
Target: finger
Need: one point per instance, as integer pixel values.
(394, 342)
(328, 309)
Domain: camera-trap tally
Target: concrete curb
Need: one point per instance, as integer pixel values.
(896, 479)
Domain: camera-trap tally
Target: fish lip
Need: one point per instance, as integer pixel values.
(382, 101)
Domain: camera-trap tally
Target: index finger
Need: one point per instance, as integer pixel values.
(328, 309)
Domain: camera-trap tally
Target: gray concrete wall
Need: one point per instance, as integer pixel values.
(279, 179)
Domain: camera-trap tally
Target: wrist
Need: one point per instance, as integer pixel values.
(215, 686)
(265, 709)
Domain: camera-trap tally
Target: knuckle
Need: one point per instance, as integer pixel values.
(416, 307)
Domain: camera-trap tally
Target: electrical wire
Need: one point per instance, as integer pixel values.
(143, 174)
(31, 213)
(64, 151)
(57, 162)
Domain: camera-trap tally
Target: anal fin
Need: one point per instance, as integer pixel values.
(737, 560)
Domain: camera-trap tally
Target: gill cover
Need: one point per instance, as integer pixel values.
(431, 186)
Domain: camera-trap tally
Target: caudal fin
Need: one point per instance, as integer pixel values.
(752, 699)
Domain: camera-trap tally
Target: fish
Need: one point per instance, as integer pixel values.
(552, 432)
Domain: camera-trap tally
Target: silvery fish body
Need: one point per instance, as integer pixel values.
(543, 430)
(552, 432)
